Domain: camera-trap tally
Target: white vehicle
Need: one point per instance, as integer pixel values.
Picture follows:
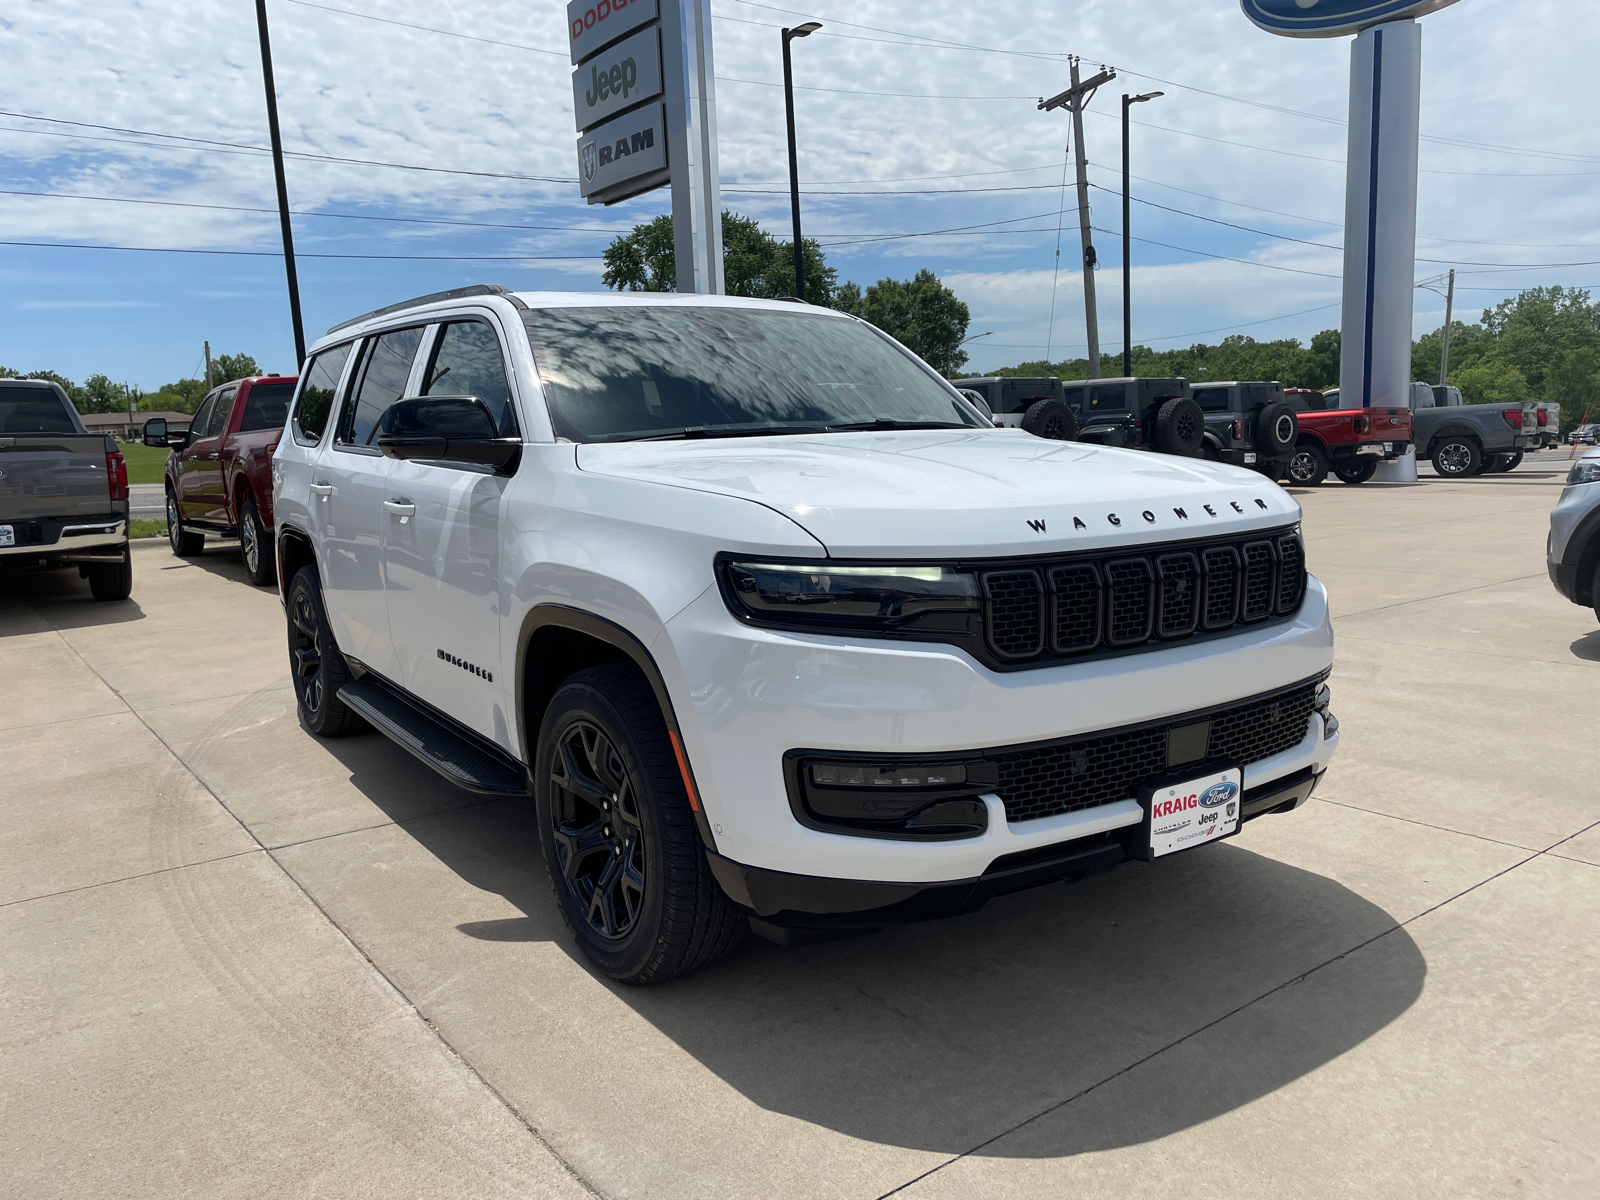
(1572, 552)
(774, 627)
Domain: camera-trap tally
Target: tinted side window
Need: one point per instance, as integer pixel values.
(220, 412)
(202, 417)
(467, 362)
(1074, 398)
(1211, 399)
(384, 371)
(266, 407)
(316, 397)
(1105, 398)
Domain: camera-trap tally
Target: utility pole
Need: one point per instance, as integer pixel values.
(1449, 312)
(208, 366)
(789, 35)
(283, 187)
(1073, 100)
(127, 395)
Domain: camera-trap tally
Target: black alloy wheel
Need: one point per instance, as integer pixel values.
(1356, 472)
(598, 830)
(185, 543)
(316, 667)
(621, 843)
(1308, 467)
(255, 544)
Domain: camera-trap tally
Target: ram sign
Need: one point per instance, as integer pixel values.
(1332, 18)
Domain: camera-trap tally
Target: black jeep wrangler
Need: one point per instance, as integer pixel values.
(1248, 425)
(1031, 404)
(1152, 414)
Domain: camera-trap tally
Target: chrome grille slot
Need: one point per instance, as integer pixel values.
(1076, 598)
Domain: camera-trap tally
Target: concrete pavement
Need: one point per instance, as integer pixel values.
(236, 960)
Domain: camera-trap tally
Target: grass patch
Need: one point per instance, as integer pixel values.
(147, 527)
(146, 464)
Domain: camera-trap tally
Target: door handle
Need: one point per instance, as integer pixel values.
(403, 509)
(212, 455)
(322, 489)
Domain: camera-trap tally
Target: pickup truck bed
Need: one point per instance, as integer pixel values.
(63, 492)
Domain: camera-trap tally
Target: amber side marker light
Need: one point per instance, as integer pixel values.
(683, 769)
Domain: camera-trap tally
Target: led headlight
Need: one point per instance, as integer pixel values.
(1585, 470)
(853, 598)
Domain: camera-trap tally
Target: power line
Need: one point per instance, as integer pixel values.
(279, 253)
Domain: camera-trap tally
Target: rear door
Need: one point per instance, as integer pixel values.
(442, 545)
(351, 479)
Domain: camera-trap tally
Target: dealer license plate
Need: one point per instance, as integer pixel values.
(8, 536)
(1194, 812)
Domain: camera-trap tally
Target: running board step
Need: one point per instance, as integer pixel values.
(462, 758)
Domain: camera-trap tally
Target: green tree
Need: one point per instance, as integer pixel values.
(920, 313)
(1574, 383)
(225, 367)
(100, 395)
(1490, 381)
(183, 395)
(754, 263)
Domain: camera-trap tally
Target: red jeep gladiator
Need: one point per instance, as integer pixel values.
(219, 474)
(1350, 442)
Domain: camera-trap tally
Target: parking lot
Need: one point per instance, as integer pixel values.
(239, 961)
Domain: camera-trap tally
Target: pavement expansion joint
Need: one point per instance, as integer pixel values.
(1425, 824)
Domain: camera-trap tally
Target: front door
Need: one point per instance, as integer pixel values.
(349, 485)
(199, 471)
(442, 550)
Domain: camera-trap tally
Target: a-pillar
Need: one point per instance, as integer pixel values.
(1380, 224)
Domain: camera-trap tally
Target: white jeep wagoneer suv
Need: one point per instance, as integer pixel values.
(773, 628)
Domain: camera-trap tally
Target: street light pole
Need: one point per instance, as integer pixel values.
(1127, 255)
(283, 187)
(799, 31)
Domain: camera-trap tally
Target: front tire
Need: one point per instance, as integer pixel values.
(315, 664)
(1308, 467)
(1457, 458)
(185, 543)
(1356, 473)
(255, 545)
(620, 842)
(112, 581)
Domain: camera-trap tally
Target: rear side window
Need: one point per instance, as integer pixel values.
(1102, 399)
(266, 407)
(1211, 399)
(1074, 398)
(33, 410)
(384, 372)
(316, 397)
(467, 362)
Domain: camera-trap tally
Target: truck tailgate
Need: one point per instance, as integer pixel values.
(53, 475)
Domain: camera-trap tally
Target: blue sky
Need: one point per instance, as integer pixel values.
(927, 114)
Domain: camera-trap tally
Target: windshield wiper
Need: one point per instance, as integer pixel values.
(700, 431)
(891, 423)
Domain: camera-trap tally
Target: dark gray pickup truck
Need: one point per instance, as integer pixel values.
(1462, 439)
(63, 491)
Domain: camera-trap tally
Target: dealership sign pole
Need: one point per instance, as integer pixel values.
(644, 96)
(1380, 196)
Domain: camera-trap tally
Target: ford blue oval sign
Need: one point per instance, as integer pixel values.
(1330, 18)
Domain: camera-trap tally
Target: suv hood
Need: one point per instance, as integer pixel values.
(959, 492)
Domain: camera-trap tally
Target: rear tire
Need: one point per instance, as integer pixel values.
(255, 545)
(1308, 467)
(112, 581)
(185, 543)
(1356, 473)
(1506, 462)
(315, 664)
(1180, 427)
(1457, 458)
(1594, 590)
(620, 842)
(1051, 419)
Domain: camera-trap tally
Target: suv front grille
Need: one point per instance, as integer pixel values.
(1121, 601)
(1063, 777)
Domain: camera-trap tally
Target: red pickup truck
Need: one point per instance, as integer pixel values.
(1350, 442)
(219, 474)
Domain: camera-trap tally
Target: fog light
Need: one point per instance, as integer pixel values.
(869, 775)
(1330, 726)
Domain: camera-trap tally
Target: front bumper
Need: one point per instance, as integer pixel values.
(798, 902)
(747, 696)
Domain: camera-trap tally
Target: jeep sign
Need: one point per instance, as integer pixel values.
(624, 156)
(1332, 18)
(617, 78)
(595, 23)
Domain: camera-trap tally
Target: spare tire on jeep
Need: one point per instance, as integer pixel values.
(1180, 427)
(1277, 430)
(1051, 418)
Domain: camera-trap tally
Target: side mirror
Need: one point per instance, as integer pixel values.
(457, 429)
(155, 431)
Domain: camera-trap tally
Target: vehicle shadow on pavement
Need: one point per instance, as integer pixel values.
(34, 600)
(1159, 995)
(1588, 646)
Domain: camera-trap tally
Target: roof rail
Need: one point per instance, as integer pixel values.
(460, 293)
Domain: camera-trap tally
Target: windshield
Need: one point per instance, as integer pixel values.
(623, 373)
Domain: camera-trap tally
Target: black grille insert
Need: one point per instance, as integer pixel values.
(1015, 613)
(1260, 565)
(1076, 598)
(1223, 579)
(1291, 573)
(1180, 594)
(1132, 585)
